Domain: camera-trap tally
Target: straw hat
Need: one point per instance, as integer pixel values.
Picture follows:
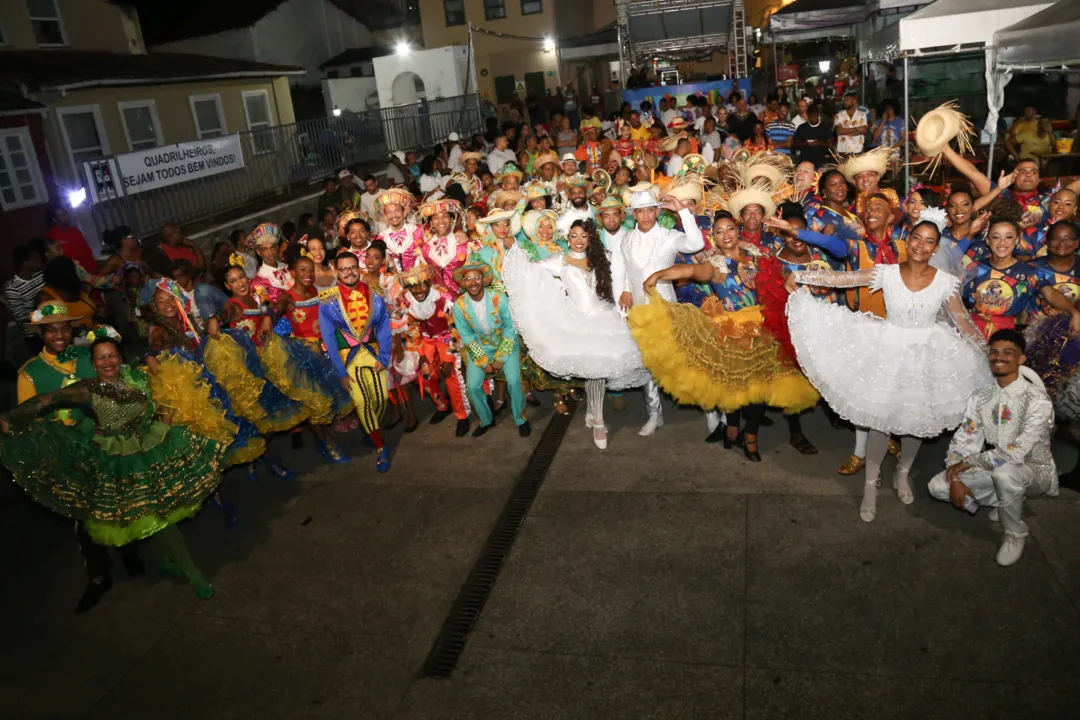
(578, 180)
(875, 161)
(51, 312)
(348, 216)
(530, 222)
(415, 275)
(509, 169)
(774, 168)
(496, 215)
(592, 123)
(394, 196)
(433, 207)
(687, 186)
(536, 190)
(546, 158)
(611, 201)
(678, 123)
(939, 126)
(470, 156)
(471, 265)
(500, 196)
(736, 196)
(671, 142)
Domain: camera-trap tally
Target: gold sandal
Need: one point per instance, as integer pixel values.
(853, 465)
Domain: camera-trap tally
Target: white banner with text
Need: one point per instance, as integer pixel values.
(173, 164)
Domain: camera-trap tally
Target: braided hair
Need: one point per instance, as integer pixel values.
(597, 260)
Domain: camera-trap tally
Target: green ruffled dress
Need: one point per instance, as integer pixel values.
(122, 472)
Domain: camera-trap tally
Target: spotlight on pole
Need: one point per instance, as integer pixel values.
(824, 65)
(549, 44)
(337, 111)
(76, 197)
(402, 47)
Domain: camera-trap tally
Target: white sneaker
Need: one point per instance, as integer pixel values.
(712, 421)
(599, 436)
(1012, 547)
(994, 517)
(649, 428)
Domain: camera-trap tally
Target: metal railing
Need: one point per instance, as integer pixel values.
(286, 159)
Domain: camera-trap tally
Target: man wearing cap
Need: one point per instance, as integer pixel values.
(577, 194)
(593, 151)
(648, 248)
(273, 277)
(58, 365)
(501, 155)
(453, 158)
(347, 190)
(489, 344)
(356, 333)
(445, 246)
(470, 178)
(432, 307)
(403, 239)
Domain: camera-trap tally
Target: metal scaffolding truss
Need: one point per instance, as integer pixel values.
(648, 28)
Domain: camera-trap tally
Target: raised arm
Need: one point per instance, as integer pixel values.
(980, 182)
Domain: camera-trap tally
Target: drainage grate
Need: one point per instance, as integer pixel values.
(459, 622)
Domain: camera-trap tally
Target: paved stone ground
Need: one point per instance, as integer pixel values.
(664, 578)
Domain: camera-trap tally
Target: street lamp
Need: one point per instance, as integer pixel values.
(337, 111)
(76, 197)
(824, 65)
(549, 44)
(402, 47)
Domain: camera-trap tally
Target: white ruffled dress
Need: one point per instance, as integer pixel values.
(569, 330)
(910, 374)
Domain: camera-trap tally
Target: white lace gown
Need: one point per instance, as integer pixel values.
(908, 375)
(569, 330)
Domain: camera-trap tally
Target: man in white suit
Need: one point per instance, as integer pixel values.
(649, 248)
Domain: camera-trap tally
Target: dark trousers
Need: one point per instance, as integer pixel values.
(96, 557)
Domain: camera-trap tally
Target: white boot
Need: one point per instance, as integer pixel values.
(1012, 547)
(649, 428)
(599, 436)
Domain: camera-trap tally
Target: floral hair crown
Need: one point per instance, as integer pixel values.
(103, 332)
(237, 260)
(935, 215)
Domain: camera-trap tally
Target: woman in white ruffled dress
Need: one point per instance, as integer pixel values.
(565, 309)
(908, 375)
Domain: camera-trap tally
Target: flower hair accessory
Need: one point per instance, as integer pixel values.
(304, 253)
(935, 215)
(48, 311)
(103, 332)
(237, 260)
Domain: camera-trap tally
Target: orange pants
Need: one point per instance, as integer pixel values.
(437, 353)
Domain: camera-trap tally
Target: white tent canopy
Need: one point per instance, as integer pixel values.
(954, 23)
(1046, 40)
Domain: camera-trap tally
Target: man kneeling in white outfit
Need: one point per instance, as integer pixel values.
(1014, 418)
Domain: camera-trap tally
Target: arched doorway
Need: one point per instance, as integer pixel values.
(407, 88)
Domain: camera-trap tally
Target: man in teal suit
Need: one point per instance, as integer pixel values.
(489, 344)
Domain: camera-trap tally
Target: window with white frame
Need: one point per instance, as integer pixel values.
(257, 111)
(84, 133)
(141, 126)
(45, 19)
(209, 118)
(21, 184)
